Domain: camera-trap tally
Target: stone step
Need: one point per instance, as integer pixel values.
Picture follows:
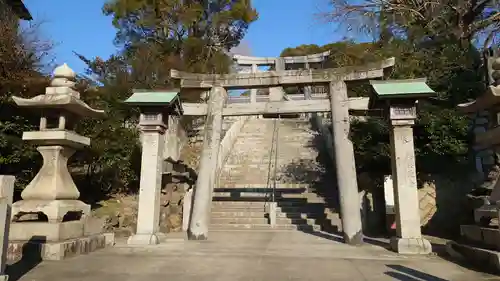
(484, 237)
(280, 195)
(250, 186)
(483, 258)
(308, 209)
(263, 214)
(228, 227)
(256, 221)
(262, 203)
(290, 199)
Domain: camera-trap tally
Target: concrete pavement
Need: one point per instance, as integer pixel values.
(243, 255)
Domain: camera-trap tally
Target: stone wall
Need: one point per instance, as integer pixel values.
(442, 200)
(483, 157)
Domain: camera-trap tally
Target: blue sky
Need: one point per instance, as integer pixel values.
(80, 26)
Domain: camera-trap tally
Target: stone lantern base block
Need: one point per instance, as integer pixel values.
(55, 210)
(411, 246)
(40, 250)
(50, 232)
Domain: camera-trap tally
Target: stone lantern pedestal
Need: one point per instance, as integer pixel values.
(50, 214)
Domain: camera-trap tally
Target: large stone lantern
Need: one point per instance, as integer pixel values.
(155, 109)
(52, 196)
(399, 99)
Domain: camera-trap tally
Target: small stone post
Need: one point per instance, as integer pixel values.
(409, 238)
(346, 168)
(198, 229)
(399, 98)
(6, 195)
(155, 109)
(148, 218)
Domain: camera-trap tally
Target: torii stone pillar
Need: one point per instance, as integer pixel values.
(253, 92)
(345, 165)
(198, 229)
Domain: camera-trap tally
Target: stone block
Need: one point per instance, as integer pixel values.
(471, 233)
(40, 249)
(481, 121)
(411, 246)
(479, 130)
(483, 113)
(53, 232)
(488, 160)
(485, 152)
(487, 259)
(491, 237)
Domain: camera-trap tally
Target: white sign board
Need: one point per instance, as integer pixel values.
(403, 112)
(389, 195)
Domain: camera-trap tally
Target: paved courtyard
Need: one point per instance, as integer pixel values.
(240, 255)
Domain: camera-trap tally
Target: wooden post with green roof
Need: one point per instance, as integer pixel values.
(399, 99)
(155, 107)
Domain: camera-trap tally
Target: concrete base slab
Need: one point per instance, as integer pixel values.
(146, 239)
(43, 250)
(411, 246)
(249, 256)
(481, 257)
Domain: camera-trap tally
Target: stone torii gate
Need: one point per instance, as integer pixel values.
(397, 97)
(339, 105)
(279, 64)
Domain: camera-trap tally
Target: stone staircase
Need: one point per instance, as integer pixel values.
(248, 176)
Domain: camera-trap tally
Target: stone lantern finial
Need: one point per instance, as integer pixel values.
(63, 82)
(64, 71)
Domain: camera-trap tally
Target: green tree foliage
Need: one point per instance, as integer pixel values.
(433, 39)
(195, 33)
(441, 132)
(21, 56)
(155, 36)
(461, 21)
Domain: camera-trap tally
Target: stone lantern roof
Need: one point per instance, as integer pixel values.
(60, 107)
(61, 96)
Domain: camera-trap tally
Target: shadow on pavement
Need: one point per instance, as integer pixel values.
(404, 273)
(338, 237)
(31, 257)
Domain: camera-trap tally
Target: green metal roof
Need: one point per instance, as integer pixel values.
(409, 88)
(153, 97)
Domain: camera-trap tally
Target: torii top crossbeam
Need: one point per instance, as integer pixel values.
(282, 78)
(269, 61)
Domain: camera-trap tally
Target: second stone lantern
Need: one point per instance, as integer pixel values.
(58, 219)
